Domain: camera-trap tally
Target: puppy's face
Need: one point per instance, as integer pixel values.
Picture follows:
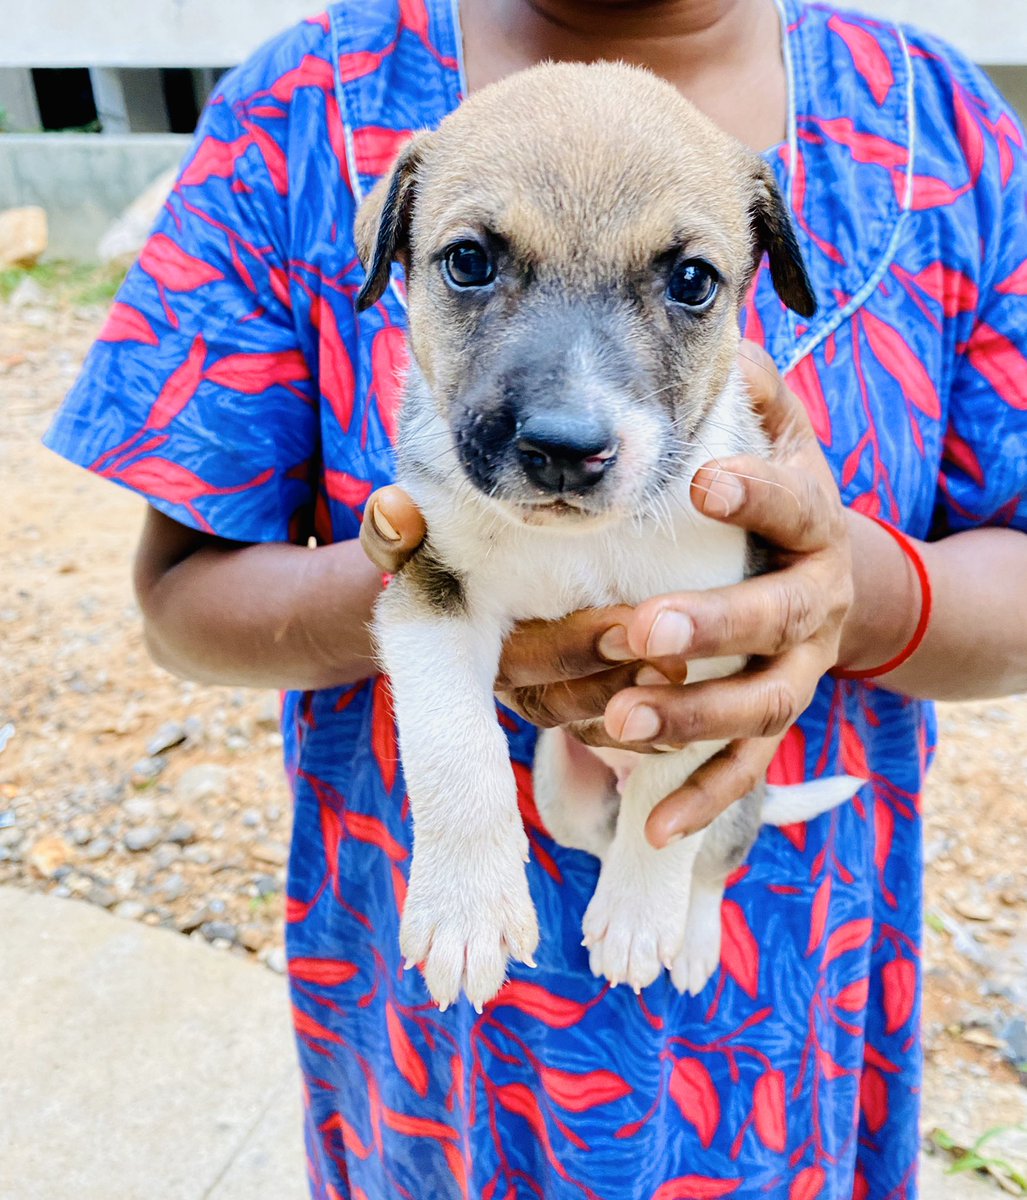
(578, 242)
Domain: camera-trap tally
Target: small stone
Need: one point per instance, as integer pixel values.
(199, 855)
(276, 960)
(217, 832)
(167, 737)
(192, 921)
(173, 888)
(268, 715)
(237, 742)
(145, 837)
(97, 848)
(125, 881)
(266, 885)
(8, 817)
(213, 930)
(131, 910)
(252, 937)
(974, 909)
(79, 836)
(146, 770)
(11, 836)
(48, 855)
(275, 853)
(193, 727)
(251, 818)
(168, 808)
(273, 813)
(23, 241)
(139, 808)
(165, 855)
(181, 833)
(206, 781)
(101, 895)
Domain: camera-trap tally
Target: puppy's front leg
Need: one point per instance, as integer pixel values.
(468, 907)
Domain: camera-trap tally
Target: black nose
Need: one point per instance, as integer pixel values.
(563, 453)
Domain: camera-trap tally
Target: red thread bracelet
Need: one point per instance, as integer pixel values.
(926, 604)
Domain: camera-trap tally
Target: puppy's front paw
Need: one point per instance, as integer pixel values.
(636, 920)
(462, 925)
(699, 955)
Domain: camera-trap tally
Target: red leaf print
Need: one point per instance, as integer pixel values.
(695, 1187)
(868, 57)
(968, 130)
(375, 148)
(962, 455)
(864, 147)
(347, 489)
(1000, 362)
(808, 1184)
(361, 62)
(804, 380)
(1014, 284)
(457, 1165)
(384, 744)
(312, 72)
(955, 292)
(416, 1126)
(578, 1093)
(691, 1086)
(255, 373)
(851, 936)
(214, 158)
(180, 387)
(327, 972)
(161, 477)
(739, 954)
(769, 1110)
(873, 1099)
(894, 353)
(336, 372)
(898, 979)
(389, 361)
(273, 156)
(127, 324)
(372, 831)
(306, 1026)
(853, 997)
(818, 917)
(929, 192)
(408, 1061)
(555, 1011)
(167, 263)
(877, 1059)
(884, 832)
(350, 1137)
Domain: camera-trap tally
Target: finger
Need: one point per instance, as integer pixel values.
(765, 615)
(583, 643)
(392, 529)
(781, 412)
(757, 703)
(791, 508)
(551, 704)
(737, 770)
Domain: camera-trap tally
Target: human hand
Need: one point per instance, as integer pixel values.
(788, 620)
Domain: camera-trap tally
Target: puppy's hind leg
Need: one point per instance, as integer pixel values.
(575, 793)
(724, 847)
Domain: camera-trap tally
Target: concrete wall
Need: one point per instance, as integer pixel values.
(989, 31)
(141, 33)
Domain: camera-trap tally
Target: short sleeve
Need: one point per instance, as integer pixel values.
(983, 478)
(197, 394)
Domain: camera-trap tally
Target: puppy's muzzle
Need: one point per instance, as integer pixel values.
(565, 452)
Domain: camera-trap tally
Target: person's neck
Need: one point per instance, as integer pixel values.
(723, 55)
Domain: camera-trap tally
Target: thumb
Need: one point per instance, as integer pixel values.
(392, 529)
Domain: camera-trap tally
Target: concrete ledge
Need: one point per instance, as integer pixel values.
(139, 1064)
(83, 180)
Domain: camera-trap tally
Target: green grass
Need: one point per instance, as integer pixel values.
(69, 282)
(977, 1158)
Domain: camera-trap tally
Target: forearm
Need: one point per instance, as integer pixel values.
(271, 615)
(976, 643)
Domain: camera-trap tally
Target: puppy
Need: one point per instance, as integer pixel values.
(578, 241)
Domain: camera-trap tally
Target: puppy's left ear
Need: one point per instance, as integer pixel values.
(383, 223)
(774, 234)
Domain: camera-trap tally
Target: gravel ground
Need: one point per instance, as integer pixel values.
(164, 801)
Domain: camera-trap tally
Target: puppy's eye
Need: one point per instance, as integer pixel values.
(468, 265)
(693, 284)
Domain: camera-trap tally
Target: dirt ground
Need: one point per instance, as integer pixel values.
(164, 801)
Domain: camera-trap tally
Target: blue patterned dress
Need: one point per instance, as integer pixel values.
(236, 388)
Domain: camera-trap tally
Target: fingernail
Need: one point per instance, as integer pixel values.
(384, 526)
(613, 645)
(671, 633)
(725, 495)
(642, 724)
(650, 677)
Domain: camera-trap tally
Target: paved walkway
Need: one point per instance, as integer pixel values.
(136, 1064)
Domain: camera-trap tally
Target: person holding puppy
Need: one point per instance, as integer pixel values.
(236, 388)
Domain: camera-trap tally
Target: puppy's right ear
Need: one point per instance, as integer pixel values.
(383, 223)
